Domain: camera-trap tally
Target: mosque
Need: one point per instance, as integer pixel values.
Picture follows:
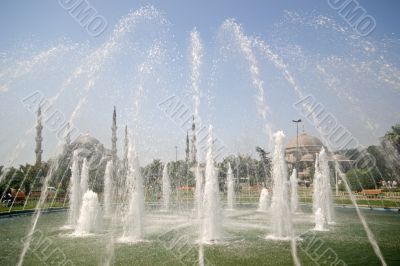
(308, 146)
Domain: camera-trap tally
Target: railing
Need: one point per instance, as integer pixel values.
(248, 195)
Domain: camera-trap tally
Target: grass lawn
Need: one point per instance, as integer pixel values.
(30, 206)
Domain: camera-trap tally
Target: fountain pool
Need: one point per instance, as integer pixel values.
(184, 219)
(244, 239)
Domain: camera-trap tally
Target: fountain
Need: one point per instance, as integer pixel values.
(199, 190)
(123, 200)
(134, 213)
(107, 198)
(320, 221)
(326, 186)
(90, 215)
(211, 224)
(263, 202)
(84, 177)
(231, 188)
(322, 195)
(75, 191)
(280, 208)
(166, 188)
(245, 46)
(196, 61)
(294, 197)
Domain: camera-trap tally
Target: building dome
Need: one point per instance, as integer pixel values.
(88, 146)
(308, 147)
(86, 139)
(305, 140)
(307, 158)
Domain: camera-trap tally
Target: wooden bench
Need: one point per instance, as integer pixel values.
(371, 193)
(19, 197)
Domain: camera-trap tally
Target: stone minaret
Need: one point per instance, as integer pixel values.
(187, 147)
(38, 138)
(114, 139)
(67, 135)
(123, 169)
(194, 148)
(126, 149)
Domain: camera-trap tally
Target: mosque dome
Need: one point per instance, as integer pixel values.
(89, 147)
(86, 139)
(308, 147)
(305, 140)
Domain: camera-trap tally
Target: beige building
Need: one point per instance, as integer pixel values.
(308, 147)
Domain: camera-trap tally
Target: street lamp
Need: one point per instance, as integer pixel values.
(297, 144)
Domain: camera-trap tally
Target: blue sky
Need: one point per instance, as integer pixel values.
(48, 21)
(355, 78)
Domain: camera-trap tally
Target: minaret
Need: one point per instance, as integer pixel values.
(114, 139)
(194, 149)
(38, 138)
(123, 169)
(187, 147)
(126, 149)
(67, 135)
(67, 142)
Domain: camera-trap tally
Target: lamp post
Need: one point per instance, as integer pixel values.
(297, 144)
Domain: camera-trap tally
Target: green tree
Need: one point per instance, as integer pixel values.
(246, 170)
(25, 178)
(11, 178)
(380, 161)
(181, 173)
(152, 175)
(359, 179)
(62, 174)
(266, 163)
(391, 149)
(393, 136)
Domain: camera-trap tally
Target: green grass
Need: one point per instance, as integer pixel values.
(30, 206)
(171, 246)
(384, 203)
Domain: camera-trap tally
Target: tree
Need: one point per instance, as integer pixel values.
(25, 178)
(359, 179)
(152, 174)
(181, 174)
(393, 136)
(266, 162)
(391, 149)
(380, 161)
(246, 170)
(63, 172)
(10, 179)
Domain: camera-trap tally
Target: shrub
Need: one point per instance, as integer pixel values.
(359, 179)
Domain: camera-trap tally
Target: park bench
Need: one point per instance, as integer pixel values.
(371, 193)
